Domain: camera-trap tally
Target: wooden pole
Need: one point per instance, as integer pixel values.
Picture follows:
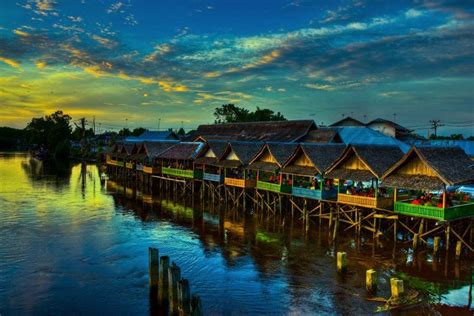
(196, 306)
(448, 230)
(174, 275)
(153, 268)
(436, 241)
(184, 297)
(415, 241)
(371, 280)
(458, 249)
(397, 288)
(163, 285)
(341, 262)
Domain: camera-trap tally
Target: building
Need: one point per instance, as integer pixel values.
(152, 136)
(389, 128)
(280, 131)
(383, 126)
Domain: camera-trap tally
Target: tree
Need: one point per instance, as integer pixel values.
(50, 131)
(77, 133)
(451, 137)
(229, 113)
(138, 131)
(125, 132)
(267, 115)
(181, 132)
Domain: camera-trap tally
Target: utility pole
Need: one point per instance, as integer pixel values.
(434, 125)
(159, 123)
(94, 124)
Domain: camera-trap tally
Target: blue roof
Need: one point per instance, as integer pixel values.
(357, 135)
(466, 145)
(152, 136)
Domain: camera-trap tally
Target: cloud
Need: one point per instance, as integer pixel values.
(316, 86)
(21, 33)
(9, 62)
(116, 7)
(413, 13)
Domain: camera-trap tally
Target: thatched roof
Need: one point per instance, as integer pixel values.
(451, 166)
(127, 148)
(320, 155)
(182, 151)
(282, 131)
(245, 152)
(217, 148)
(348, 121)
(322, 135)
(377, 158)
(154, 149)
(280, 153)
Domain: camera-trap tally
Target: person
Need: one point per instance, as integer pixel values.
(417, 201)
(271, 179)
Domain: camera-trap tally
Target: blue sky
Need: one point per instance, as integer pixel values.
(141, 62)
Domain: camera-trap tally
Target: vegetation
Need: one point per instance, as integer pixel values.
(452, 137)
(11, 138)
(229, 113)
(52, 132)
(125, 132)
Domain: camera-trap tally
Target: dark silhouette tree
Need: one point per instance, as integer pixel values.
(229, 113)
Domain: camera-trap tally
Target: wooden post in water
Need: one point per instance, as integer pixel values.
(341, 262)
(396, 287)
(196, 306)
(174, 275)
(436, 241)
(184, 295)
(153, 268)
(458, 249)
(163, 285)
(371, 280)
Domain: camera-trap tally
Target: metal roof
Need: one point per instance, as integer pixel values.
(152, 136)
(466, 145)
(356, 135)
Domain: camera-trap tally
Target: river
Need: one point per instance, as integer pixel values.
(70, 244)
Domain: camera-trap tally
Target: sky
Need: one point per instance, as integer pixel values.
(169, 63)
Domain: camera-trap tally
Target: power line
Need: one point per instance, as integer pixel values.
(435, 125)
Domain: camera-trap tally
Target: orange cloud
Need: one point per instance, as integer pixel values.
(10, 62)
(21, 33)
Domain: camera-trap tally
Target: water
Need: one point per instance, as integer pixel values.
(70, 245)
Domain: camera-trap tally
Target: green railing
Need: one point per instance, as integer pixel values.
(449, 213)
(273, 187)
(191, 174)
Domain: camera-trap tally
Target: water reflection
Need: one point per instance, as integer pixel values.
(70, 243)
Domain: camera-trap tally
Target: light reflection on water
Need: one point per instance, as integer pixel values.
(70, 245)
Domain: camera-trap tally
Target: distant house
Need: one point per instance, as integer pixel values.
(357, 135)
(347, 121)
(389, 128)
(383, 126)
(152, 136)
(280, 131)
